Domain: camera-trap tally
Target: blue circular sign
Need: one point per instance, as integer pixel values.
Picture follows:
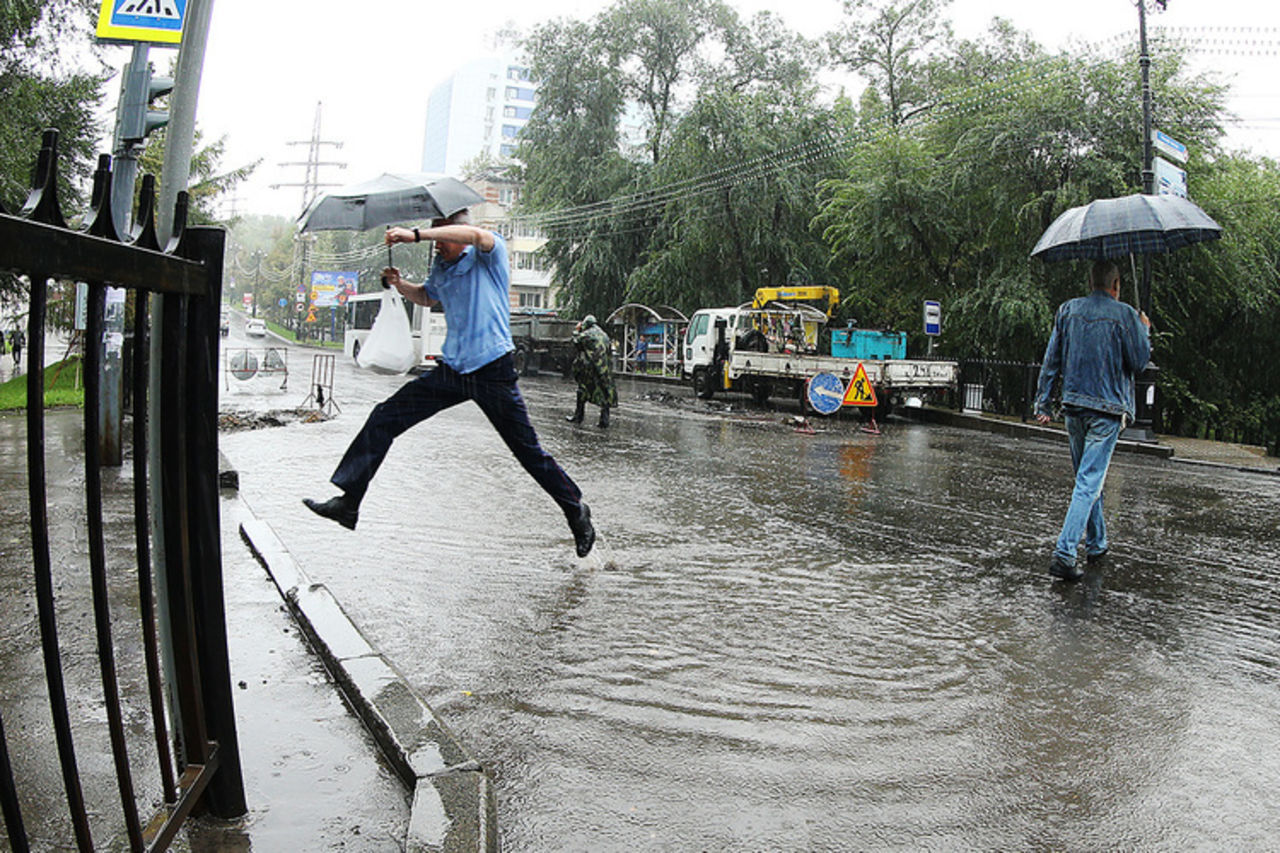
(825, 393)
(283, 302)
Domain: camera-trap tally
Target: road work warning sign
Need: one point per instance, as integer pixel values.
(154, 21)
(860, 391)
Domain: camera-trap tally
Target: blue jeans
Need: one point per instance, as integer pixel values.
(1093, 440)
(493, 388)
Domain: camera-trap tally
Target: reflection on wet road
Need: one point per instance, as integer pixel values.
(809, 642)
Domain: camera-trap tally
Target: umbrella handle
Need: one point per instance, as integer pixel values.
(384, 278)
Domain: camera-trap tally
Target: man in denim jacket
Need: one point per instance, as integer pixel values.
(1098, 344)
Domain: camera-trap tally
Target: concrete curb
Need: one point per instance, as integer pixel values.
(1021, 430)
(454, 806)
(1226, 466)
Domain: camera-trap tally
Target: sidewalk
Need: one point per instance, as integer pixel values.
(314, 777)
(1190, 451)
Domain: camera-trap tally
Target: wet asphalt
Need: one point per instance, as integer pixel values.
(795, 641)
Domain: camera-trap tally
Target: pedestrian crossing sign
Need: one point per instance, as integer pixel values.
(860, 391)
(153, 21)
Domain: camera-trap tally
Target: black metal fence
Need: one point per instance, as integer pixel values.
(1000, 387)
(185, 278)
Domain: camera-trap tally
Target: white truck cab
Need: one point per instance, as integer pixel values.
(700, 337)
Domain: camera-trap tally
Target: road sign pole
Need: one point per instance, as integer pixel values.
(1141, 430)
(130, 113)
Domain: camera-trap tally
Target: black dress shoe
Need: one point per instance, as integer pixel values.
(1093, 558)
(1065, 571)
(584, 533)
(341, 508)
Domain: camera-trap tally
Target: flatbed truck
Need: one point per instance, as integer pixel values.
(769, 349)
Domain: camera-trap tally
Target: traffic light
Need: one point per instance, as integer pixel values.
(135, 118)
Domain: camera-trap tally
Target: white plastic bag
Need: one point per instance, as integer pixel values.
(389, 347)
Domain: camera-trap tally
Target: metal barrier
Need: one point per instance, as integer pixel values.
(187, 279)
(243, 364)
(322, 367)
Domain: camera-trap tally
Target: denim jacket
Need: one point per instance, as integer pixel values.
(1098, 344)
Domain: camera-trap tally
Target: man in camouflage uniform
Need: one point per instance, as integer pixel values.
(592, 371)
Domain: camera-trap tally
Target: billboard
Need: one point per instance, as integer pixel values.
(330, 288)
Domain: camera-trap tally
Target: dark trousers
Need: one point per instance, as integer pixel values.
(493, 388)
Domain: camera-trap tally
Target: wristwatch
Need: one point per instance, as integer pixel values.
(417, 238)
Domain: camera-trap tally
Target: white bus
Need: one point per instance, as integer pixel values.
(426, 326)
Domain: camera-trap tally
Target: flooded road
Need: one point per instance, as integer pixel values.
(808, 642)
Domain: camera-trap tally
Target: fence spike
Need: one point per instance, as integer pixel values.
(102, 224)
(42, 203)
(144, 226)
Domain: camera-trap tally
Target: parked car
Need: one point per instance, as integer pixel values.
(255, 327)
(225, 327)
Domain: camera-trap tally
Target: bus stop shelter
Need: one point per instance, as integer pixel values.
(650, 339)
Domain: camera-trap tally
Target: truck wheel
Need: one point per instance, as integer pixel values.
(805, 408)
(703, 386)
(522, 361)
(355, 349)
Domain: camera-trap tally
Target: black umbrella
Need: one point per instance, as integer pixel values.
(386, 199)
(1132, 225)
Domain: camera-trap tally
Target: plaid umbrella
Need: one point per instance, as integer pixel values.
(386, 199)
(1132, 225)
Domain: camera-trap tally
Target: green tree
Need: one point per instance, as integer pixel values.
(890, 44)
(205, 184)
(662, 46)
(41, 91)
(749, 159)
(954, 200)
(572, 159)
(718, 96)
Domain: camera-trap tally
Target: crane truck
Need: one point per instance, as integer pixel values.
(770, 348)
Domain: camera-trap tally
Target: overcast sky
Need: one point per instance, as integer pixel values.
(373, 64)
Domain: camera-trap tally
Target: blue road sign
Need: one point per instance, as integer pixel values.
(932, 317)
(155, 21)
(825, 393)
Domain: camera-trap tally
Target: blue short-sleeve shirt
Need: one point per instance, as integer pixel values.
(474, 291)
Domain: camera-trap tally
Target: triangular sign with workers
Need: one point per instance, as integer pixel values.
(860, 391)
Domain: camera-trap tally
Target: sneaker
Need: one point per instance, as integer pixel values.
(584, 533)
(1093, 558)
(1063, 570)
(341, 508)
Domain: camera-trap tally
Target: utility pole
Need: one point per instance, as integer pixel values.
(311, 179)
(310, 183)
(135, 120)
(1148, 155)
(257, 280)
(1145, 386)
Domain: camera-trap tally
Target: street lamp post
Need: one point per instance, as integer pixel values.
(1141, 429)
(257, 281)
